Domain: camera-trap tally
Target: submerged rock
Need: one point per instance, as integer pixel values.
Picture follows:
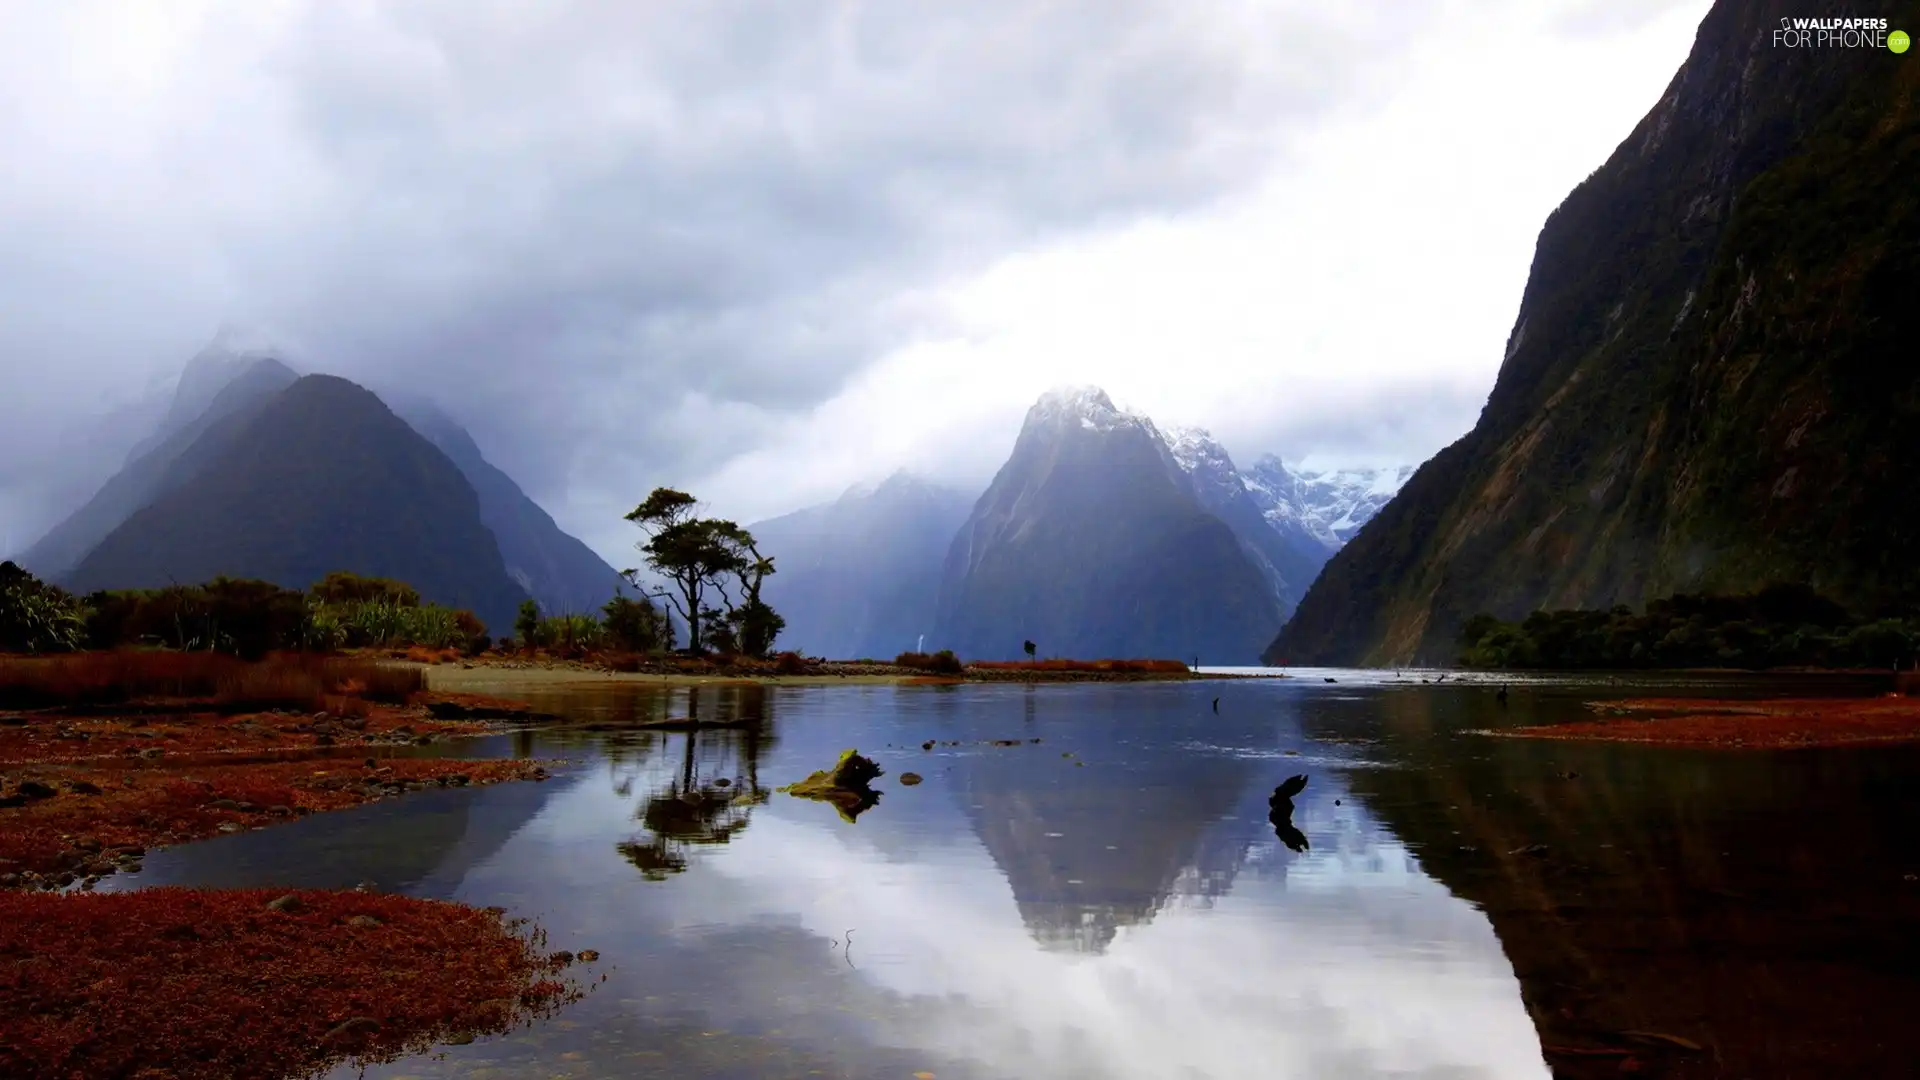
(847, 785)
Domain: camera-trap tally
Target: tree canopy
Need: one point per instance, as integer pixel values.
(706, 561)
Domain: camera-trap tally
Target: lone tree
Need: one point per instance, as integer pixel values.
(1029, 646)
(701, 558)
(755, 625)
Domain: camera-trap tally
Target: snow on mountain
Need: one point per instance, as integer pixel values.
(1089, 405)
(1329, 505)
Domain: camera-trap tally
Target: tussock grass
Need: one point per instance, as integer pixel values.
(302, 681)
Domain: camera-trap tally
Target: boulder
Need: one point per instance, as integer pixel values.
(847, 785)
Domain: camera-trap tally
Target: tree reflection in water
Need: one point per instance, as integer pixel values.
(705, 794)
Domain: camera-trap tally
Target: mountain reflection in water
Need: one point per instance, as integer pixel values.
(1111, 901)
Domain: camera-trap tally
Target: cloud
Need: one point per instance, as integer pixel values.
(1346, 961)
(631, 244)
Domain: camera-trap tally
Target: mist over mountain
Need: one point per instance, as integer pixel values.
(562, 574)
(201, 404)
(321, 476)
(1092, 542)
(1706, 388)
(210, 405)
(860, 576)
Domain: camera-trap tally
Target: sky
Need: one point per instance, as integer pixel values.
(762, 250)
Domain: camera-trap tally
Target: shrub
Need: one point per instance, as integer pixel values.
(526, 625)
(789, 663)
(942, 662)
(635, 625)
(36, 617)
(1781, 625)
(341, 587)
(571, 634)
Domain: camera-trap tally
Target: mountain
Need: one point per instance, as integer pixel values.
(1706, 388)
(319, 477)
(1167, 836)
(860, 576)
(1287, 560)
(156, 462)
(231, 355)
(558, 571)
(1092, 543)
(1321, 510)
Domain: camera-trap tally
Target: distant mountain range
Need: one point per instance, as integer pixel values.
(254, 471)
(860, 576)
(1102, 536)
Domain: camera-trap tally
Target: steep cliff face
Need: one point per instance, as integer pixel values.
(562, 574)
(1091, 542)
(1705, 388)
(860, 576)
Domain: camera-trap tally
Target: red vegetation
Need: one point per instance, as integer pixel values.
(283, 680)
(95, 820)
(181, 983)
(1117, 667)
(420, 654)
(132, 750)
(1785, 723)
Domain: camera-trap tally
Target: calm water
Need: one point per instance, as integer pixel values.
(1112, 901)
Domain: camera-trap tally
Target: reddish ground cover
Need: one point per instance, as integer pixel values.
(305, 681)
(182, 984)
(76, 823)
(122, 751)
(1786, 723)
(148, 731)
(1121, 667)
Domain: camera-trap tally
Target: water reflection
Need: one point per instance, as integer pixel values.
(1280, 811)
(707, 799)
(1696, 895)
(1107, 902)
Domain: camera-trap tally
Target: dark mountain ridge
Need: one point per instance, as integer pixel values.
(320, 477)
(562, 574)
(1704, 390)
(169, 455)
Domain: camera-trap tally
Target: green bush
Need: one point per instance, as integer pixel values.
(36, 617)
(635, 625)
(251, 618)
(1779, 626)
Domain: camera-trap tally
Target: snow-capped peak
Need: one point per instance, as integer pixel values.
(1195, 449)
(1088, 407)
(1328, 504)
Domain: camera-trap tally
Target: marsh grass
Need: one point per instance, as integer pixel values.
(301, 681)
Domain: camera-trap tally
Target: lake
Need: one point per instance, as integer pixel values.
(1103, 894)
